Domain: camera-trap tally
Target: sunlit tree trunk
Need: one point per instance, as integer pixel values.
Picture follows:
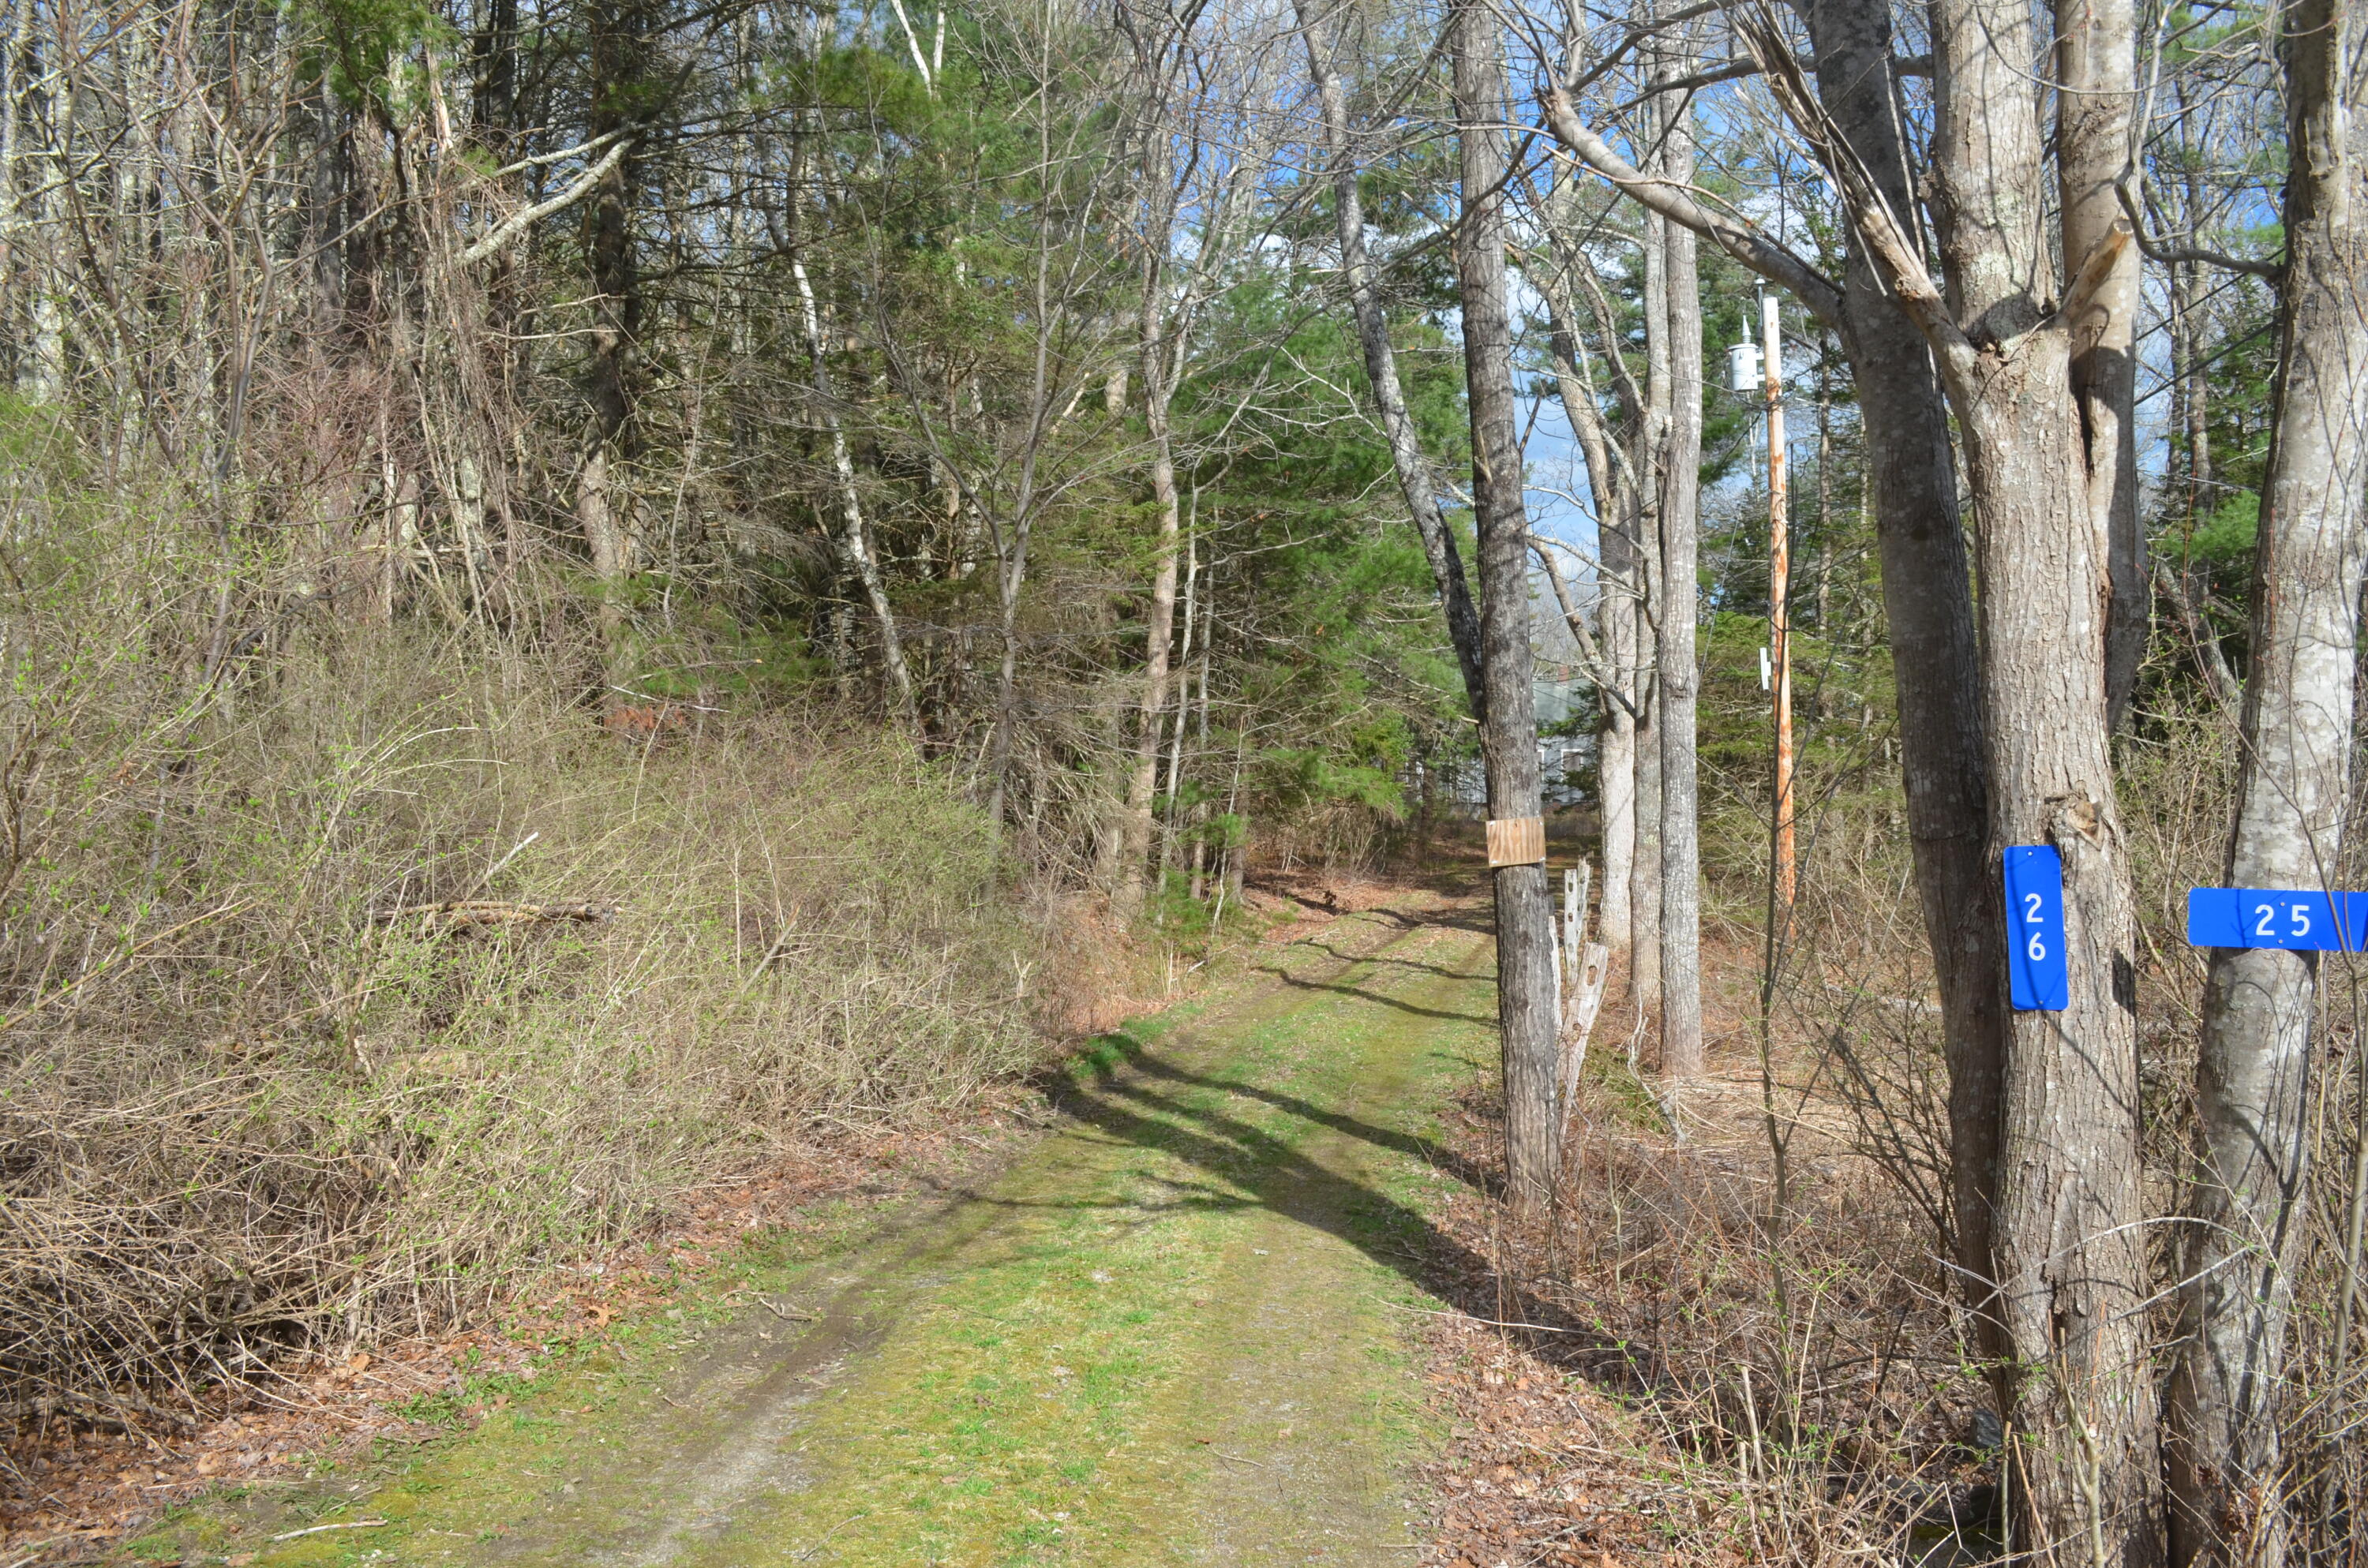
(1928, 611)
(2068, 1240)
(1645, 872)
(1509, 731)
(2254, 1061)
(2095, 45)
(1681, 491)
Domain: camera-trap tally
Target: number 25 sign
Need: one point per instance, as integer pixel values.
(2257, 917)
(2038, 979)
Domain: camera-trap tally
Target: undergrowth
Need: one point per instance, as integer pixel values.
(346, 975)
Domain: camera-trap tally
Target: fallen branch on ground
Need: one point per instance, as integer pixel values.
(461, 912)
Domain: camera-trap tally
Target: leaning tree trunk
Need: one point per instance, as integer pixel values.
(1508, 730)
(1416, 481)
(856, 553)
(1680, 481)
(2253, 1064)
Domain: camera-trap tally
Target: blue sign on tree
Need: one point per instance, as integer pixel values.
(2038, 979)
(2258, 917)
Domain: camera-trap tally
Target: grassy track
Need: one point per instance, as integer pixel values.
(1173, 1331)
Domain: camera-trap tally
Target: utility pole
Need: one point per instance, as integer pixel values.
(1780, 584)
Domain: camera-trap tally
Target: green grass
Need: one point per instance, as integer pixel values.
(1174, 1322)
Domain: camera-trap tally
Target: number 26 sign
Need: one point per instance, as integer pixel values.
(2038, 979)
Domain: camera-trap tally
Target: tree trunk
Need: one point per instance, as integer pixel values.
(1611, 468)
(2096, 43)
(1681, 523)
(1616, 756)
(855, 550)
(2253, 1064)
(1644, 978)
(2070, 1242)
(1415, 482)
(42, 377)
(1928, 606)
(1158, 636)
(2068, 1238)
(618, 56)
(1509, 731)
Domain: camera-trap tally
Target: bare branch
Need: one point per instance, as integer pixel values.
(1820, 294)
(2164, 255)
(519, 222)
(1895, 255)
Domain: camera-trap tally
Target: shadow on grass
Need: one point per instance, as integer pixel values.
(1140, 1096)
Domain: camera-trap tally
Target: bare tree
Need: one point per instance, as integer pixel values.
(1197, 153)
(1525, 979)
(2045, 1133)
(1614, 447)
(1680, 520)
(1417, 482)
(2069, 1244)
(2253, 1066)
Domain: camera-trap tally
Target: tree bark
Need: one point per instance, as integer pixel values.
(2068, 1238)
(1644, 977)
(2096, 47)
(1159, 622)
(1416, 481)
(1927, 606)
(1616, 758)
(2254, 1062)
(2071, 1249)
(1508, 731)
(1680, 522)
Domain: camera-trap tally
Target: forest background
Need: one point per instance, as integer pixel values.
(694, 566)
